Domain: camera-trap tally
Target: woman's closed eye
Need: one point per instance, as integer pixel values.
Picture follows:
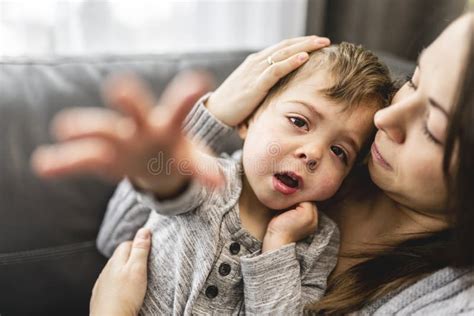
(299, 122)
(428, 133)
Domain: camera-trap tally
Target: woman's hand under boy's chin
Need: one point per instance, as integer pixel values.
(291, 226)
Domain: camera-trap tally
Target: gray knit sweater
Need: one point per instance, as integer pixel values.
(449, 291)
(203, 262)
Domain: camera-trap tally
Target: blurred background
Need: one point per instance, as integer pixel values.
(56, 54)
(91, 27)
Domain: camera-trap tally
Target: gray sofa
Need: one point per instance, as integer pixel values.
(48, 259)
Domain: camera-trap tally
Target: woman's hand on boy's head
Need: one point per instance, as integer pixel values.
(248, 85)
(291, 226)
(103, 142)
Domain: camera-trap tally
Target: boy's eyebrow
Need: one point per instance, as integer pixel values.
(311, 108)
(351, 142)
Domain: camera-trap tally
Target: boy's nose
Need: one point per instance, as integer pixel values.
(310, 162)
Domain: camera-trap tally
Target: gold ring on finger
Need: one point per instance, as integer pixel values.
(270, 60)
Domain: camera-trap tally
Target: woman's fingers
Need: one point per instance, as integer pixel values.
(92, 156)
(140, 248)
(286, 42)
(121, 254)
(91, 122)
(312, 40)
(130, 96)
(308, 46)
(275, 72)
(288, 58)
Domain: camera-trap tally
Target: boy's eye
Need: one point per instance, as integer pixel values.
(298, 122)
(339, 152)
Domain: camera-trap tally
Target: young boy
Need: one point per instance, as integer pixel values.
(211, 250)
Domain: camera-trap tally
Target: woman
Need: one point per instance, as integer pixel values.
(406, 245)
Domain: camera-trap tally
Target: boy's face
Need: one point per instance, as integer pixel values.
(301, 145)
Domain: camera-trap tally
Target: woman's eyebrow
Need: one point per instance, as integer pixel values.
(432, 101)
(438, 106)
(419, 57)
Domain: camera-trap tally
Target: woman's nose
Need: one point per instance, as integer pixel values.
(393, 120)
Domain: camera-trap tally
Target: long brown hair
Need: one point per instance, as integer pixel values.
(402, 264)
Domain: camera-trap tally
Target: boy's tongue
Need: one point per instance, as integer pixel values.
(285, 184)
(287, 180)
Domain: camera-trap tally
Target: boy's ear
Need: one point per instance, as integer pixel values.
(242, 129)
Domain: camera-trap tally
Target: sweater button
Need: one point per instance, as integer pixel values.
(224, 269)
(212, 291)
(234, 248)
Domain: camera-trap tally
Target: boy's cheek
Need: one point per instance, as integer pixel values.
(325, 186)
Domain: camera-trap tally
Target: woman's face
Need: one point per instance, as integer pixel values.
(407, 154)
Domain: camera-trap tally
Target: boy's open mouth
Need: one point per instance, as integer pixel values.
(286, 182)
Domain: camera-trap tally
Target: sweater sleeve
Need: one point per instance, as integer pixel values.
(129, 209)
(283, 281)
(202, 126)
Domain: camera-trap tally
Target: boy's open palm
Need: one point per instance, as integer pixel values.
(141, 140)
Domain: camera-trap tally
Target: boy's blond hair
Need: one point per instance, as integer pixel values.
(356, 76)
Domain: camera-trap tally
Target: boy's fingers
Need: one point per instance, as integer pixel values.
(179, 97)
(130, 96)
(94, 122)
(204, 167)
(309, 212)
(140, 247)
(75, 157)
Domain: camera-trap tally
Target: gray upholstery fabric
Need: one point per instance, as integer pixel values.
(48, 260)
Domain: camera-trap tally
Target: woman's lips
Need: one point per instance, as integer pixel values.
(377, 156)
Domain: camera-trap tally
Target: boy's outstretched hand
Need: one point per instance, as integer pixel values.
(141, 141)
(291, 226)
